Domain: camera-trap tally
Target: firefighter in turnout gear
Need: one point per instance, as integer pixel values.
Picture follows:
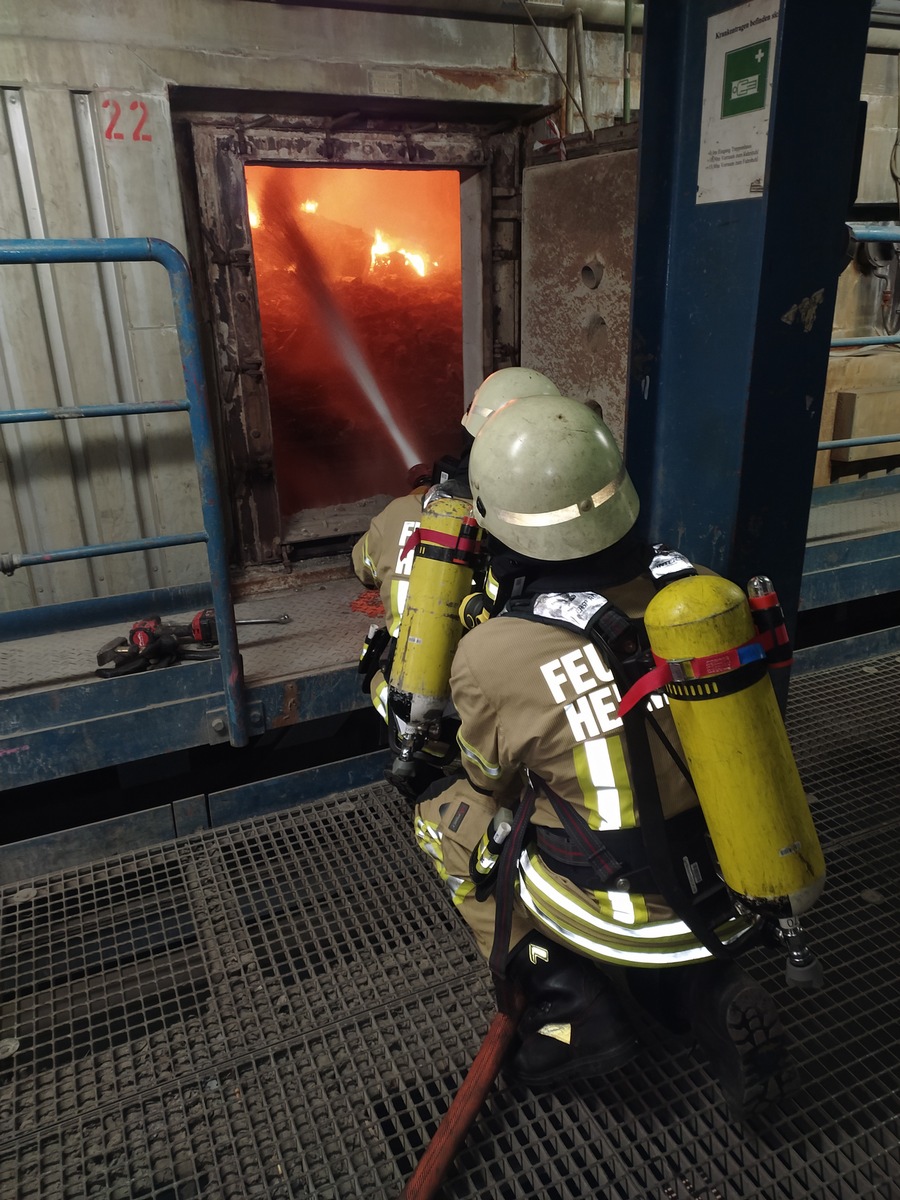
(600, 883)
(378, 557)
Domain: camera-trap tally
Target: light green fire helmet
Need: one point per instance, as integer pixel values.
(503, 385)
(549, 481)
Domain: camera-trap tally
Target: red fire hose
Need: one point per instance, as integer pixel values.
(451, 1133)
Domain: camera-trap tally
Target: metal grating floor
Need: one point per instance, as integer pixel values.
(284, 1008)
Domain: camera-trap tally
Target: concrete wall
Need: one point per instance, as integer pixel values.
(86, 139)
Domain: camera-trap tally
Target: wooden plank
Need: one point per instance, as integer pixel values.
(861, 414)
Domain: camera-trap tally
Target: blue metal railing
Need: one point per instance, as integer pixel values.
(29, 251)
(867, 233)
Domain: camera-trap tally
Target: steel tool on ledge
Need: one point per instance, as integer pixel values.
(152, 642)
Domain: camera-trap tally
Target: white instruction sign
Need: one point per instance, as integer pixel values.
(737, 95)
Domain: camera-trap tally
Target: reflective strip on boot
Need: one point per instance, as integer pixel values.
(561, 1033)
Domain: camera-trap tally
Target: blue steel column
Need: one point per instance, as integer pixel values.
(733, 301)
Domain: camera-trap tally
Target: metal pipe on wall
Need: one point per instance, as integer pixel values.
(570, 75)
(579, 53)
(596, 12)
(626, 62)
(563, 77)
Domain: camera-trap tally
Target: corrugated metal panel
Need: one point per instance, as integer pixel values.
(85, 334)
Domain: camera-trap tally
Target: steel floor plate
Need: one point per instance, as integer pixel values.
(329, 619)
(284, 1008)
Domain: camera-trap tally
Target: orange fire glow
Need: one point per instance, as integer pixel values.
(351, 307)
(383, 249)
(379, 248)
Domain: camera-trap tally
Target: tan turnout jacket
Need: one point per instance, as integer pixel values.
(539, 696)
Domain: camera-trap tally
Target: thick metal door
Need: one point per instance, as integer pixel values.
(577, 250)
(220, 150)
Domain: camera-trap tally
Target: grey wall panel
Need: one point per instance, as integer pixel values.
(18, 510)
(127, 432)
(99, 159)
(169, 454)
(38, 455)
(76, 318)
(140, 180)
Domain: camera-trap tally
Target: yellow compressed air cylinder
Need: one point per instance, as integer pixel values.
(737, 747)
(430, 628)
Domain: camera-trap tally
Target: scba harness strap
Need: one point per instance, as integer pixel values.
(588, 613)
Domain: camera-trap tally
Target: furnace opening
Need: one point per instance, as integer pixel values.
(359, 277)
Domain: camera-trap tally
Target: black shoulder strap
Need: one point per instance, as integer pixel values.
(504, 891)
(584, 613)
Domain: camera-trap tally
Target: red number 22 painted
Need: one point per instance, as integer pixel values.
(112, 134)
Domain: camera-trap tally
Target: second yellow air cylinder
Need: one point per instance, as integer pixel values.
(430, 628)
(737, 747)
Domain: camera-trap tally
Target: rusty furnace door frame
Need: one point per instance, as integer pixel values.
(489, 165)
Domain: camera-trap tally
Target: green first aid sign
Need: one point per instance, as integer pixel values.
(746, 79)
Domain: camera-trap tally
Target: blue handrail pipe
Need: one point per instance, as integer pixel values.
(29, 251)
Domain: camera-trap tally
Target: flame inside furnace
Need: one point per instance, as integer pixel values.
(362, 328)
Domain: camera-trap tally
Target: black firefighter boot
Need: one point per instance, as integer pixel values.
(573, 1024)
(736, 1022)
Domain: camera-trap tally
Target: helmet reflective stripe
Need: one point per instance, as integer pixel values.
(548, 480)
(492, 770)
(605, 786)
(571, 511)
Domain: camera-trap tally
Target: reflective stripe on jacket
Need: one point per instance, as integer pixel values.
(378, 558)
(612, 926)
